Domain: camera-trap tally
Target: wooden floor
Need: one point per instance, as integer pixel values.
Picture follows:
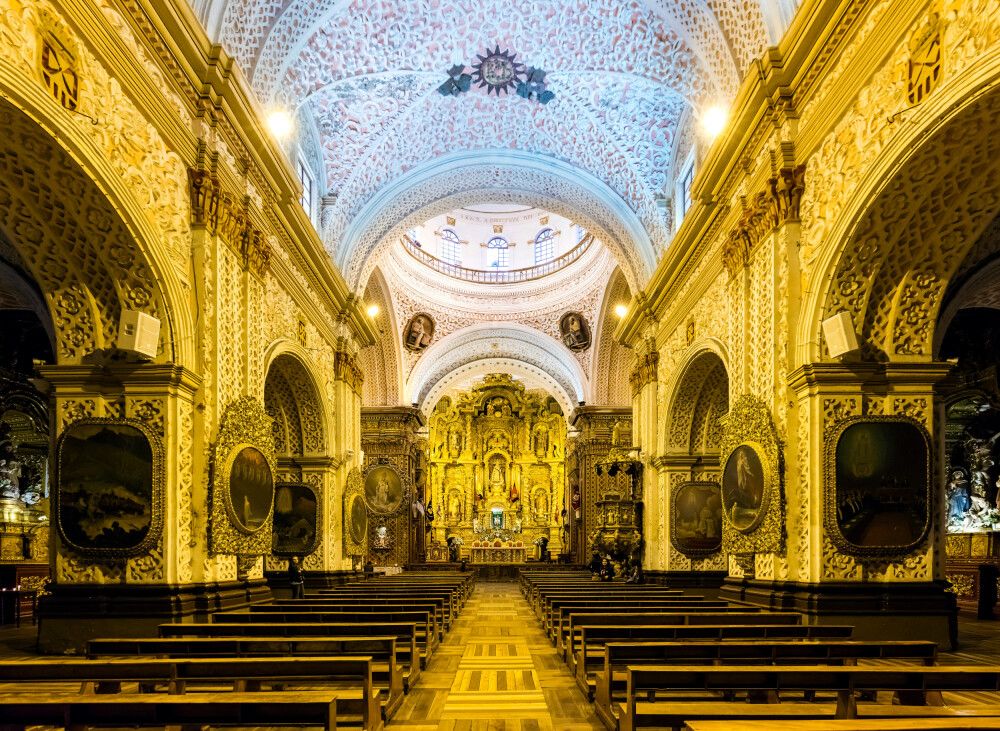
(496, 671)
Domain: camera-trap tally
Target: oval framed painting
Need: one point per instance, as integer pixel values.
(383, 489)
(357, 524)
(250, 489)
(109, 487)
(745, 487)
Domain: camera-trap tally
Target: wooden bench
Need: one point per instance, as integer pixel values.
(301, 606)
(868, 724)
(567, 640)
(646, 705)
(592, 640)
(560, 615)
(608, 686)
(441, 605)
(426, 635)
(350, 679)
(550, 603)
(73, 711)
(407, 651)
(386, 673)
(451, 598)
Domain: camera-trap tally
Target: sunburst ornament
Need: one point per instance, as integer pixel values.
(498, 71)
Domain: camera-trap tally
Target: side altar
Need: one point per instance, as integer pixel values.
(496, 470)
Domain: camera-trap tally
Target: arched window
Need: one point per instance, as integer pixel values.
(451, 247)
(545, 245)
(497, 253)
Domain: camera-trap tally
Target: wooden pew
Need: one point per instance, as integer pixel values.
(386, 673)
(74, 711)
(593, 590)
(440, 604)
(593, 639)
(407, 651)
(305, 606)
(559, 617)
(549, 603)
(608, 686)
(570, 632)
(869, 724)
(382, 592)
(646, 705)
(349, 678)
(427, 639)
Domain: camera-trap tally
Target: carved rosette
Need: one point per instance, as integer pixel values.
(749, 422)
(245, 423)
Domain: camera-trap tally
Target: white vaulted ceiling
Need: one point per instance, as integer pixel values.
(361, 79)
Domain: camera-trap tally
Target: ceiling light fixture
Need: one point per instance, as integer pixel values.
(281, 124)
(714, 120)
(621, 310)
(373, 311)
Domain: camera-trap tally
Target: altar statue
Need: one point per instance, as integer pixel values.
(496, 478)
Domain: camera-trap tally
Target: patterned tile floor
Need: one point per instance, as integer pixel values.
(496, 671)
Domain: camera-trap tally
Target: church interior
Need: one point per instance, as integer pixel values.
(492, 366)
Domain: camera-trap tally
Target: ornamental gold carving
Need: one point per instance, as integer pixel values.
(923, 70)
(242, 463)
(355, 519)
(58, 68)
(346, 369)
(751, 454)
(645, 372)
(223, 214)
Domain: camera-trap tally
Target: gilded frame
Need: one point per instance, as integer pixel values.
(674, 495)
(155, 531)
(318, 518)
(404, 489)
(830, 520)
(749, 423)
(354, 545)
(768, 474)
(245, 423)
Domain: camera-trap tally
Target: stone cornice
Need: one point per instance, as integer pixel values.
(828, 377)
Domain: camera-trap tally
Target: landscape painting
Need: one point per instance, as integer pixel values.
(295, 518)
(108, 480)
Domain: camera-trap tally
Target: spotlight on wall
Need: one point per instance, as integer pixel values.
(841, 338)
(281, 124)
(621, 310)
(714, 120)
(373, 310)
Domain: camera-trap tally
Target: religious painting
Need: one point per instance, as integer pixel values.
(419, 332)
(381, 539)
(251, 489)
(575, 331)
(109, 487)
(357, 523)
(878, 485)
(743, 486)
(295, 520)
(696, 518)
(383, 489)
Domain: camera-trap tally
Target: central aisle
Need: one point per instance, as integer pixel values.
(496, 671)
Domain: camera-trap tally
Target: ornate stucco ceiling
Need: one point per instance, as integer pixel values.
(361, 78)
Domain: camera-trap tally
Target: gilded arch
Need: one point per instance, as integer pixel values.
(292, 399)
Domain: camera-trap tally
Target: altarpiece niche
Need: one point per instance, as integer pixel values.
(496, 466)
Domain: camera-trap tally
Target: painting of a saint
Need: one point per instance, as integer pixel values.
(743, 487)
(696, 518)
(419, 332)
(251, 489)
(294, 520)
(105, 486)
(575, 331)
(358, 523)
(383, 490)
